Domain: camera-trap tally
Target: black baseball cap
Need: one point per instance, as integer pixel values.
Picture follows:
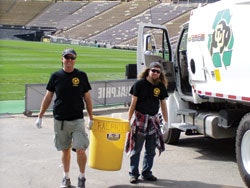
(69, 51)
(155, 64)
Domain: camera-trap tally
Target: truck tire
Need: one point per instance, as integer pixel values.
(171, 136)
(242, 148)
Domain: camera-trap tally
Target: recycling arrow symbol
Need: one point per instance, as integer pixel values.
(220, 43)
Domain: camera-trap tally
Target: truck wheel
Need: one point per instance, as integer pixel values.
(171, 136)
(242, 148)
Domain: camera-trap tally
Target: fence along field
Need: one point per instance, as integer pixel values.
(32, 62)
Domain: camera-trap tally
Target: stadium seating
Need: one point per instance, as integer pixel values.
(86, 12)
(21, 12)
(51, 16)
(5, 6)
(113, 22)
(108, 19)
(160, 14)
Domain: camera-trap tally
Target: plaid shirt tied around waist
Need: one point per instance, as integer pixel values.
(146, 125)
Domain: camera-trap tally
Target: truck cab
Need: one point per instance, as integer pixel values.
(207, 72)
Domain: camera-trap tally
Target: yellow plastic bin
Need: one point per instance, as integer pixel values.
(107, 140)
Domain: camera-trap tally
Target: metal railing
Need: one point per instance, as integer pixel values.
(104, 93)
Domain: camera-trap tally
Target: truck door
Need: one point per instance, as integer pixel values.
(153, 45)
(182, 63)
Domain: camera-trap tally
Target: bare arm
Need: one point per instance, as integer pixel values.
(164, 110)
(132, 107)
(89, 107)
(45, 103)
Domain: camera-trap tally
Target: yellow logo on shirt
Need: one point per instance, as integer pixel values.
(157, 92)
(75, 81)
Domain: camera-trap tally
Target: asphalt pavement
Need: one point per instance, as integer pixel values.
(28, 159)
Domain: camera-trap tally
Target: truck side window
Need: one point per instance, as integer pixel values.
(156, 47)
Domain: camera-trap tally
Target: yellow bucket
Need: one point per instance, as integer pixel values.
(107, 140)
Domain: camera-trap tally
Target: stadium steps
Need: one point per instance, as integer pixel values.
(108, 19)
(22, 12)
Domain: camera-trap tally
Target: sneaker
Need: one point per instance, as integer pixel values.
(133, 179)
(81, 182)
(149, 178)
(66, 182)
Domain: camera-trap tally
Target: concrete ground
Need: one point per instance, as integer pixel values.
(28, 159)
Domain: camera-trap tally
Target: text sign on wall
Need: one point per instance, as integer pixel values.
(111, 92)
(103, 93)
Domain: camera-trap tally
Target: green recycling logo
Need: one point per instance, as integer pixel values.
(221, 41)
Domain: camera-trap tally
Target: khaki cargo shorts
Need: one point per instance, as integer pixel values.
(70, 134)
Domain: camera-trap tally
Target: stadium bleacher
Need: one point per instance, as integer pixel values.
(108, 19)
(15, 12)
(115, 22)
(55, 13)
(159, 14)
(86, 12)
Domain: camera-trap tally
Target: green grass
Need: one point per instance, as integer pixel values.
(24, 62)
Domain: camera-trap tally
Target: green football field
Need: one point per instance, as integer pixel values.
(24, 62)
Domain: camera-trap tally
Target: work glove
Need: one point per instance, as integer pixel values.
(39, 123)
(164, 127)
(90, 124)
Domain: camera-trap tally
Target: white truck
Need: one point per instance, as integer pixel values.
(209, 75)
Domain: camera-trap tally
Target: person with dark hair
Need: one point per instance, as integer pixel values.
(72, 89)
(149, 93)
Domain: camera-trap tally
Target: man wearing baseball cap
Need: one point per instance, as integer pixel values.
(148, 94)
(71, 87)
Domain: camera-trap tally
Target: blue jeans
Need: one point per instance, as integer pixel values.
(149, 154)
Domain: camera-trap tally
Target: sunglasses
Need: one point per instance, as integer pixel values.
(155, 71)
(69, 57)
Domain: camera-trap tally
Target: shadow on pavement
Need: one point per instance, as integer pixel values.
(174, 184)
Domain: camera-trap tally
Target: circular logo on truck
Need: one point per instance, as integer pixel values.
(221, 41)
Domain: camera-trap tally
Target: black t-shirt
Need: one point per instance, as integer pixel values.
(69, 89)
(148, 96)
